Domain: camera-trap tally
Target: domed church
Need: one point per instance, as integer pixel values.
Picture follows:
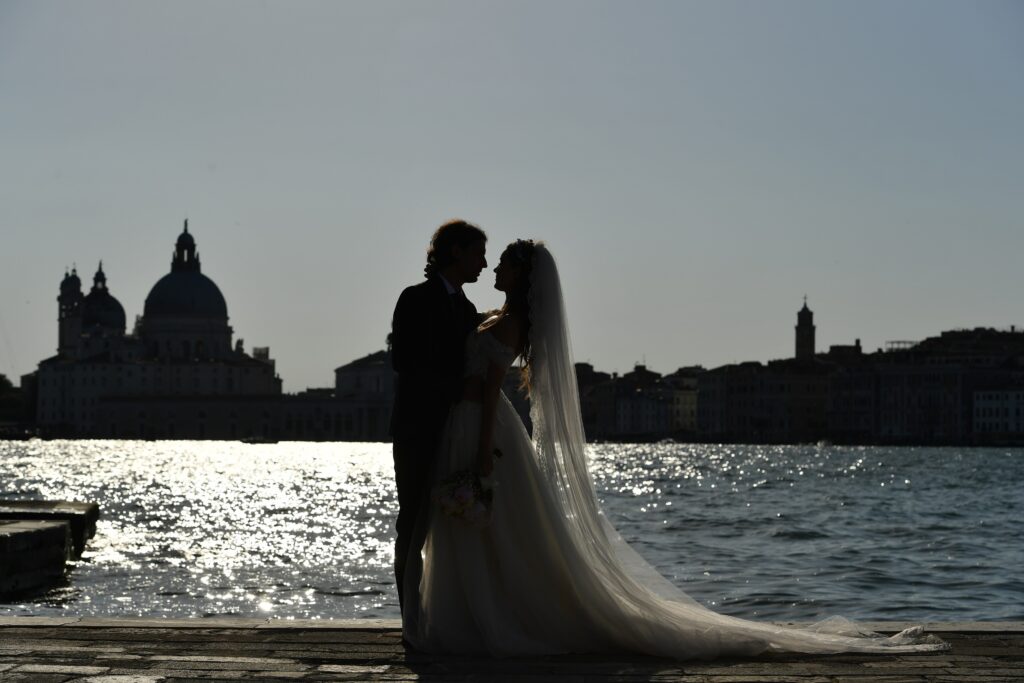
(175, 375)
(185, 314)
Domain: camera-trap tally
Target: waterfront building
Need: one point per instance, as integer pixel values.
(597, 401)
(682, 386)
(175, 375)
(804, 333)
(364, 390)
(636, 406)
(782, 401)
(778, 402)
(852, 409)
(927, 391)
(999, 416)
(12, 409)
(949, 389)
(643, 405)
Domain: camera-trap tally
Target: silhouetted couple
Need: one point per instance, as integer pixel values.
(511, 555)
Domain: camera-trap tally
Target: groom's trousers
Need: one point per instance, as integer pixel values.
(414, 458)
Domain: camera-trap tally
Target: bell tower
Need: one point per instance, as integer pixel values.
(804, 333)
(69, 313)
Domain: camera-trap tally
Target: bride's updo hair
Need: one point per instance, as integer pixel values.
(520, 254)
(452, 234)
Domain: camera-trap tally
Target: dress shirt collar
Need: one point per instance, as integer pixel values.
(448, 286)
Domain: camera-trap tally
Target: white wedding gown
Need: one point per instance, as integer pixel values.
(549, 574)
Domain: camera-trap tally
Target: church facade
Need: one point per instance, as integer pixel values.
(176, 374)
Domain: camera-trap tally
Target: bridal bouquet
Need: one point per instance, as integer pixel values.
(464, 495)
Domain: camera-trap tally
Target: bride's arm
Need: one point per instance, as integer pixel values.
(488, 407)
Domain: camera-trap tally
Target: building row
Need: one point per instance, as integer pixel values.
(963, 387)
(179, 374)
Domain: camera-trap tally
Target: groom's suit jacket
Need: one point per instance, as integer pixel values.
(428, 335)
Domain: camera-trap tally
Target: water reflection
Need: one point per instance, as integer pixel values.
(304, 530)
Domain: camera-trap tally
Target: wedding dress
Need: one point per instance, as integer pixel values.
(550, 574)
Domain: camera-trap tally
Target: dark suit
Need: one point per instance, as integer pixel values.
(428, 335)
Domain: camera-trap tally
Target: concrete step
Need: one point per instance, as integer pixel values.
(80, 516)
(33, 553)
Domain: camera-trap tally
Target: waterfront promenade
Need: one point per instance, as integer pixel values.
(94, 650)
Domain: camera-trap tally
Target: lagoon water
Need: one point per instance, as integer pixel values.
(304, 530)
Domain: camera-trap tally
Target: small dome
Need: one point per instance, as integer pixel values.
(185, 294)
(101, 309)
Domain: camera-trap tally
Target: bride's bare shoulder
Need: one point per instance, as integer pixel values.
(508, 330)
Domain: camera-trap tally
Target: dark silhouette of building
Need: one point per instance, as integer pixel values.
(176, 375)
(683, 385)
(782, 401)
(804, 333)
(956, 388)
(640, 405)
(13, 411)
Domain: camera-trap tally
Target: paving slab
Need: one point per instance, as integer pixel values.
(146, 650)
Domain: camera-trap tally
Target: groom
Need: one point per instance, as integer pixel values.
(428, 333)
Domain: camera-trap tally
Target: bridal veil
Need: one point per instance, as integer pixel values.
(637, 607)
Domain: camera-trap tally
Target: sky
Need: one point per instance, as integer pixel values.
(696, 168)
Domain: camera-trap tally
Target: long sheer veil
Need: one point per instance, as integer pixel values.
(623, 585)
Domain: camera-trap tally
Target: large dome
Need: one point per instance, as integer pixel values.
(185, 294)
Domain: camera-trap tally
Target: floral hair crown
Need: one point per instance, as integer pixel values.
(522, 251)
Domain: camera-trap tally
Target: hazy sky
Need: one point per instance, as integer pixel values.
(696, 167)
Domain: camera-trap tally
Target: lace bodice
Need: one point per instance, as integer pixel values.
(483, 348)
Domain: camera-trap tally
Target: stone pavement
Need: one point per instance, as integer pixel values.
(48, 650)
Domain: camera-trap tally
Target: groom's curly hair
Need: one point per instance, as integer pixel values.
(452, 234)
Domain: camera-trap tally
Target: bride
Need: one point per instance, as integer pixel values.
(549, 574)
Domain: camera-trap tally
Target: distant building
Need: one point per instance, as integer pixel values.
(945, 390)
(637, 406)
(998, 416)
(926, 391)
(13, 422)
(780, 402)
(597, 401)
(852, 409)
(804, 333)
(643, 405)
(783, 401)
(176, 375)
(682, 386)
(365, 388)
(369, 376)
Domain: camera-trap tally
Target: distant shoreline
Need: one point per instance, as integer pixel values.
(638, 440)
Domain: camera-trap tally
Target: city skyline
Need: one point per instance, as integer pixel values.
(803, 316)
(696, 168)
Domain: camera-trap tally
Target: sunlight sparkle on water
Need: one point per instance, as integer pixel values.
(305, 530)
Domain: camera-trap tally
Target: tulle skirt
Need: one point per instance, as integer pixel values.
(527, 585)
